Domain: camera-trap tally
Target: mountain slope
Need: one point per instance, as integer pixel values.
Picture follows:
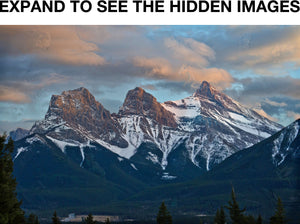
(209, 124)
(217, 126)
(271, 156)
(259, 175)
(77, 116)
(206, 128)
(49, 178)
(139, 152)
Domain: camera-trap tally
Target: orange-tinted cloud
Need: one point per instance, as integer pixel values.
(61, 44)
(218, 77)
(9, 94)
(162, 69)
(19, 92)
(274, 54)
(293, 115)
(186, 60)
(156, 66)
(190, 51)
(264, 114)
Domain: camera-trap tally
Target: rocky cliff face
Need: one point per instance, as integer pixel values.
(209, 124)
(286, 144)
(76, 115)
(139, 102)
(216, 126)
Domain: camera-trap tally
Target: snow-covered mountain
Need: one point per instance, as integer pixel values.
(261, 173)
(75, 116)
(217, 126)
(287, 143)
(209, 125)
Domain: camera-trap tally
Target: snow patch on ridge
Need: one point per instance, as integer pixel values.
(189, 107)
(138, 129)
(120, 159)
(62, 145)
(166, 176)
(239, 118)
(33, 139)
(133, 166)
(153, 158)
(19, 151)
(281, 145)
(127, 152)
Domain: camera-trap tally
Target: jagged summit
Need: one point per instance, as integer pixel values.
(77, 97)
(139, 102)
(74, 91)
(210, 125)
(75, 104)
(206, 90)
(76, 114)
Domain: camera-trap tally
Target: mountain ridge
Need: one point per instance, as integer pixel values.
(158, 161)
(257, 178)
(49, 178)
(211, 125)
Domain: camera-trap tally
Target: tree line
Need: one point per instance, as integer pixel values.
(11, 212)
(237, 215)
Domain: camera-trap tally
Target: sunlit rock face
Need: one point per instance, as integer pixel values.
(209, 125)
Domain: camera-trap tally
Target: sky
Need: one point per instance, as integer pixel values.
(259, 66)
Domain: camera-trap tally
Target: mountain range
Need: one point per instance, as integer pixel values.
(82, 156)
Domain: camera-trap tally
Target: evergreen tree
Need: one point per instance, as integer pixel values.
(55, 219)
(220, 217)
(32, 219)
(90, 219)
(278, 217)
(249, 219)
(236, 214)
(163, 216)
(259, 220)
(10, 211)
(217, 217)
(107, 221)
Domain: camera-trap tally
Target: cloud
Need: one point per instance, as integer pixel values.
(274, 95)
(276, 104)
(9, 94)
(264, 114)
(190, 51)
(267, 86)
(171, 59)
(161, 68)
(218, 77)
(156, 66)
(19, 92)
(276, 48)
(149, 87)
(185, 60)
(61, 44)
(293, 115)
(174, 87)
